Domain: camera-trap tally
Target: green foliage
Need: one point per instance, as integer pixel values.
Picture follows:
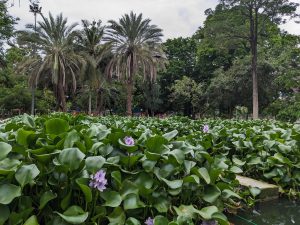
(174, 172)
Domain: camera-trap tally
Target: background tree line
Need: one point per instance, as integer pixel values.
(239, 57)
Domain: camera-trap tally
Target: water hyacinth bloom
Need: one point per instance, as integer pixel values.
(209, 222)
(129, 141)
(98, 181)
(205, 128)
(149, 221)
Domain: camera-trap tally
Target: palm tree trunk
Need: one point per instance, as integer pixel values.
(253, 40)
(61, 98)
(129, 98)
(90, 102)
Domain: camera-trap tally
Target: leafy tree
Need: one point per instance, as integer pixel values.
(187, 95)
(54, 40)
(135, 45)
(246, 20)
(7, 23)
(91, 48)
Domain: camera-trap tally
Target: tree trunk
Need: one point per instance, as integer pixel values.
(32, 101)
(253, 42)
(61, 97)
(90, 102)
(129, 98)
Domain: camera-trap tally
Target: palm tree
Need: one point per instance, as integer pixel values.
(54, 42)
(135, 45)
(90, 46)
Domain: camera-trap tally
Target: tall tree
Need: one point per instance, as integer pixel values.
(7, 23)
(252, 17)
(92, 49)
(54, 40)
(135, 45)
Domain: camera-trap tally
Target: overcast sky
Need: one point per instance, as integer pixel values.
(176, 17)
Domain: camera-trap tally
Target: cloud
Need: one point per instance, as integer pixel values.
(176, 17)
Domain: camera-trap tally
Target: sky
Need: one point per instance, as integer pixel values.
(177, 18)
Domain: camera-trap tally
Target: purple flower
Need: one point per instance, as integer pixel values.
(149, 221)
(129, 141)
(205, 128)
(209, 222)
(98, 181)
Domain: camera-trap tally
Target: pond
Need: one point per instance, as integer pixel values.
(279, 212)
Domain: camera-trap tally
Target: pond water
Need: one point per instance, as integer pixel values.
(279, 212)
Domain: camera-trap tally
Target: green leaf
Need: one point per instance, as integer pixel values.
(132, 221)
(112, 198)
(23, 136)
(132, 201)
(254, 191)
(56, 126)
(117, 216)
(4, 150)
(28, 120)
(83, 184)
(211, 193)
(178, 155)
(4, 215)
(94, 163)
(162, 204)
(46, 197)
(32, 221)
(169, 136)
(160, 220)
(71, 158)
(235, 169)
(207, 212)
(8, 165)
(71, 138)
(156, 144)
(9, 192)
(174, 184)
(228, 194)
(204, 174)
(26, 174)
(74, 215)
(187, 211)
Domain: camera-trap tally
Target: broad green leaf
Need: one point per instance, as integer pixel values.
(160, 220)
(174, 184)
(117, 216)
(211, 193)
(8, 165)
(132, 221)
(26, 174)
(207, 212)
(156, 144)
(112, 198)
(187, 211)
(254, 191)
(9, 192)
(31, 221)
(229, 194)
(169, 136)
(94, 163)
(28, 120)
(4, 150)
(71, 138)
(236, 170)
(56, 126)
(22, 137)
(83, 184)
(132, 201)
(162, 204)
(46, 197)
(71, 158)
(204, 174)
(74, 215)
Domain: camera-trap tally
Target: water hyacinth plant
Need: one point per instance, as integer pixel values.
(56, 169)
(205, 128)
(149, 221)
(98, 181)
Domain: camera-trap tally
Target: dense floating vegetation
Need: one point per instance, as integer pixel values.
(61, 169)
